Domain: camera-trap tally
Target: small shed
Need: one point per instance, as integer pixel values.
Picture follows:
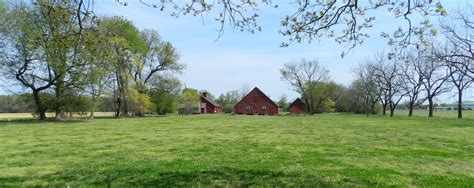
(208, 106)
(256, 102)
(297, 107)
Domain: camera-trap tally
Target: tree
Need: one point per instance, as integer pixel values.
(127, 45)
(413, 81)
(77, 103)
(283, 103)
(302, 77)
(323, 95)
(43, 45)
(189, 99)
(98, 55)
(62, 48)
(164, 94)
(366, 81)
(160, 56)
(228, 100)
(461, 81)
(39, 48)
(244, 90)
(389, 81)
(138, 102)
(459, 54)
(50, 47)
(354, 99)
(434, 74)
(459, 29)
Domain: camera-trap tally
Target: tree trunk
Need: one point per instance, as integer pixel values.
(392, 109)
(373, 107)
(117, 109)
(367, 107)
(59, 99)
(40, 108)
(460, 104)
(384, 109)
(410, 110)
(93, 106)
(9, 108)
(431, 105)
(308, 109)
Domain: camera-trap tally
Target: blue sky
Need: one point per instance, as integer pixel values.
(239, 58)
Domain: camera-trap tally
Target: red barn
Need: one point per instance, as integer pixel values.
(297, 107)
(256, 102)
(208, 106)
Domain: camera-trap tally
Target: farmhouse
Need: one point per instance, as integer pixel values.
(208, 106)
(256, 102)
(297, 107)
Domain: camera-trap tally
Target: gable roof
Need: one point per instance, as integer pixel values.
(296, 100)
(259, 91)
(210, 101)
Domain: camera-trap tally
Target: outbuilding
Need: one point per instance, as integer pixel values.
(298, 107)
(256, 102)
(208, 106)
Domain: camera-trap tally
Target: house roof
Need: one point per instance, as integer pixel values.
(256, 89)
(210, 101)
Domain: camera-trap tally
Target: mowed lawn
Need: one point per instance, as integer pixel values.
(240, 151)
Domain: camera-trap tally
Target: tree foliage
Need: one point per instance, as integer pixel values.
(228, 100)
(303, 77)
(58, 49)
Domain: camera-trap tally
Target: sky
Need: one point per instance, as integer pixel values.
(241, 58)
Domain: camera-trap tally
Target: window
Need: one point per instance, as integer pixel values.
(247, 107)
(264, 107)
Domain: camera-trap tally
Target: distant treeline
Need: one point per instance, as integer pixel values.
(24, 104)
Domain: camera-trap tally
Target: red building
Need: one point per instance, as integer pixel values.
(208, 106)
(256, 102)
(297, 107)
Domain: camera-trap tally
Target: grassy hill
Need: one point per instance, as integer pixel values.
(224, 150)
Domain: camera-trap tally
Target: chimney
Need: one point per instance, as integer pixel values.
(204, 94)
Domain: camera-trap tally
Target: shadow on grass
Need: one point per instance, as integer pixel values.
(219, 177)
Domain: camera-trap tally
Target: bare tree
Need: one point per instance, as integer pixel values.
(459, 53)
(302, 76)
(244, 90)
(459, 31)
(461, 81)
(388, 79)
(412, 81)
(435, 75)
(367, 80)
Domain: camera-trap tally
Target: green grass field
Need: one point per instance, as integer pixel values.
(239, 151)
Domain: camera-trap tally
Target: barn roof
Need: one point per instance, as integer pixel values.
(256, 89)
(210, 101)
(296, 100)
